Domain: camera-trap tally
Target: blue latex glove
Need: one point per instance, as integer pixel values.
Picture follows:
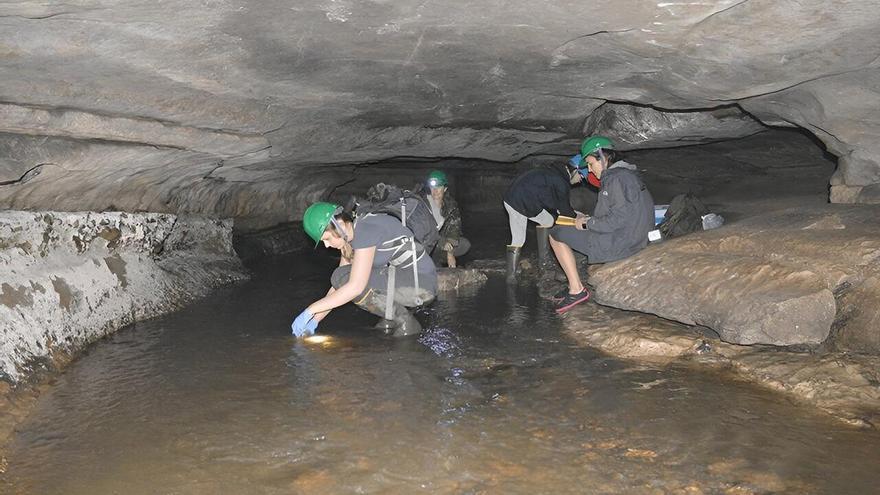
(304, 325)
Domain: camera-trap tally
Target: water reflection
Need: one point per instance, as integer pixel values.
(489, 399)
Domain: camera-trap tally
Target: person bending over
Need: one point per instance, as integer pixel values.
(539, 195)
(373, 247)
(620, 223)
(445, 209)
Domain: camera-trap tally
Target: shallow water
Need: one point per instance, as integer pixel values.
(491, 398)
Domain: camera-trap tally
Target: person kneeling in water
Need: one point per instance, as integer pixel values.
(619, 227)
(376, 249)
(448, 217)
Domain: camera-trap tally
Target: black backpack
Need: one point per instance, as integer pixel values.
(392, 200)
(684, 215)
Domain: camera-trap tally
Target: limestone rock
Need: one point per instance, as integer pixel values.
(869, 195)
(745, 300)
(449, 279)
(192, 106)
(71, 278)
(630, 335)
(634, 127)
(769, 279)
(841, 384)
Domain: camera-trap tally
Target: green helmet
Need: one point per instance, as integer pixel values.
(595, 143)
(437, 178)
(316, 219)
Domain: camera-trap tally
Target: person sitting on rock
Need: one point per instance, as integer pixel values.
(379, 257)
(539, 195)
(445, 209)
(619, 226)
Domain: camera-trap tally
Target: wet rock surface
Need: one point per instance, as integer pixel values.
(451, 279)
(783, 278)
(842, 384)
(71, 278)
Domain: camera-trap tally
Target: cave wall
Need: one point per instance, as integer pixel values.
(238, 109)
(71, 278)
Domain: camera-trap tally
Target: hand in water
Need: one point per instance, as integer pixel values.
(304, 325)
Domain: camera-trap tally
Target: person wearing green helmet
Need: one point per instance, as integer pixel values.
(375, 248)
(619, 226)
(448, 217)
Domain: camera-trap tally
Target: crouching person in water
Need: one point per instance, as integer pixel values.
(448, 217)
(620, 223)
(376, 249)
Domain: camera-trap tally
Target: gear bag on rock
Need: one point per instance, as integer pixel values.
(684, 215)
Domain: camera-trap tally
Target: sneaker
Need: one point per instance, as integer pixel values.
(572, 300)
(560, 295)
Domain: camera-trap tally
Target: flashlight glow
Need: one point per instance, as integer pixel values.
(318, 339)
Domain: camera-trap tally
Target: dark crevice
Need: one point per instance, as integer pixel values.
(809, 80)
(36, 17)
(29, 174)
(590, 35)
(713, 14)
(332, 190)
(208, 175)
(161, 247)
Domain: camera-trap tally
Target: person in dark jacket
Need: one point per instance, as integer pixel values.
(620, 223)
(448, 217)
(540, 195)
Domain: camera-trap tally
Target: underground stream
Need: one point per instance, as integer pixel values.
(492, 397)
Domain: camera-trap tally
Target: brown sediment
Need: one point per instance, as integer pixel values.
(116, 265)
(65, 293)
(12, 297)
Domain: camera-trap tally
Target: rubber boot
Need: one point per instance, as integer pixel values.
(403, 322)
(543, 239)
(512, 263)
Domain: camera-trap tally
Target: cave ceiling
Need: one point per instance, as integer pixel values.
(164, 104)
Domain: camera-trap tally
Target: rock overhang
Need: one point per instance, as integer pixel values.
(176, 106)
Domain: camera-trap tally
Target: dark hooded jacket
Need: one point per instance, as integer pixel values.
(544, 188)
(623, 216)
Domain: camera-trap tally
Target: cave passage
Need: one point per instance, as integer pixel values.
(492, 396)
(218, 398)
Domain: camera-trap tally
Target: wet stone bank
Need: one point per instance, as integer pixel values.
(795, 276)
(71, 278)
(788, 299)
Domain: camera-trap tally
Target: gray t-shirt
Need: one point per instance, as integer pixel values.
(373, 230)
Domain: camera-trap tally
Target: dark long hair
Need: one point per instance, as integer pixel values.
(613, 156)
